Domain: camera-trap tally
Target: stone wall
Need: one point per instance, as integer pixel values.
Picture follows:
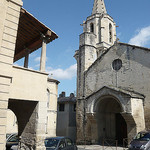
(52, 107)
(66, 119)
(133, 76)
(12, 124)
(9, 17)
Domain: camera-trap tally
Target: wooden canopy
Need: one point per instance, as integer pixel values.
(30, 33)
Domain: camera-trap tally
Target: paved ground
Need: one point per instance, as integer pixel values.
(98, 147)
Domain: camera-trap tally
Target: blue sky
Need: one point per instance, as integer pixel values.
(65, 16)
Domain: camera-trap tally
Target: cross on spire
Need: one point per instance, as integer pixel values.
(99, 7)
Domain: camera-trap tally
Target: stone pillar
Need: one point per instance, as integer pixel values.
(41, 125)
(135, 120)
(26, 60)
(91, 129)
(43, 55)
(138, 113)
(80, 122)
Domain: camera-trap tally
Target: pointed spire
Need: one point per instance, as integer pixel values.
(99, 7)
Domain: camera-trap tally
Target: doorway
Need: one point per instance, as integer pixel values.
(121, 129)
(111, 124)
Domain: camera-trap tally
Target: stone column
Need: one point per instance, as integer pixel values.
(41, 125)
(43, 55)
(26, 60)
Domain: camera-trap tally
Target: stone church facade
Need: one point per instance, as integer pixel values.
(112, 82)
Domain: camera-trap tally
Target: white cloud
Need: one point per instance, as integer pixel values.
(37, 59)
(142, 38)
(59, 73)
(37, 65)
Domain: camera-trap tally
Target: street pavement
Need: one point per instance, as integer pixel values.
(98, 147)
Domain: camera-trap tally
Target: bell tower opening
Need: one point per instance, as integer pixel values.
(92, 28)
(110, 33)
(111, 125)
(102, 25)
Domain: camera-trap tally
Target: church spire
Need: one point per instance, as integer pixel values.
(99, 7)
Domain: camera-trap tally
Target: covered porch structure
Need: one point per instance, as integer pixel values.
(113, 113)
(23, 90)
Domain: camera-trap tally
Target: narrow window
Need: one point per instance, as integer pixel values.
(61, 107)
(110, 33)
(46, 131)
(48, 98)
(92, 27)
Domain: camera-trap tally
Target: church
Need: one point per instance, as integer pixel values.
(113, 98)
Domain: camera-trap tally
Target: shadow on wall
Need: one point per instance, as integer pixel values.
(26, 113)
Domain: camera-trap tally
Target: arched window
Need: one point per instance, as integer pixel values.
(110, 33)
(92, 27)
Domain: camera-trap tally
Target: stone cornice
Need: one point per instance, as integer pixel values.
(30, 70)
(17, 2)
(53, 80)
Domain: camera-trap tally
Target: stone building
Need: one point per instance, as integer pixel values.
(66, 116)
(112, 82)
(26, 92)
(50, 129)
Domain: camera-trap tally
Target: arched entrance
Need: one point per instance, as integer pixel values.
(12, 123)
(26, 113)
(110, 122)
(113, 113)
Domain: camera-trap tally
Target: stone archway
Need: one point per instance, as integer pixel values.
(26, 113)
(105, 106)
(110, 123)
(12, 123)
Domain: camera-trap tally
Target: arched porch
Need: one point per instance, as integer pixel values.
(111, 124)
(115, 114)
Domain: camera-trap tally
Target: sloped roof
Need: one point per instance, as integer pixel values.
(117, 43)
(29, 35)
(135, 46)
(99, 7)
(132, 94)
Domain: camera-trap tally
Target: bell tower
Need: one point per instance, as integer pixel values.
(99, 33)
(102, 25)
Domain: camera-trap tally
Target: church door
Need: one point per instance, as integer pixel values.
(121, 128)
